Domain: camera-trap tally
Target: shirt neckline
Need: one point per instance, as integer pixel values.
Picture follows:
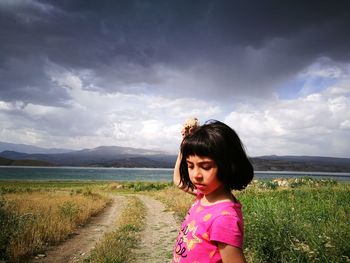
(219, 203)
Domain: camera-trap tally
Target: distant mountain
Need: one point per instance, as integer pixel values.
(301, 163)
(116, 156)
(25, 148)
(107, 156)
(116, 150)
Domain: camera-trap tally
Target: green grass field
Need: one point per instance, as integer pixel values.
(307, 224)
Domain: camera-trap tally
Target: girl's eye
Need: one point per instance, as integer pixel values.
(206, 167)
(190, 166)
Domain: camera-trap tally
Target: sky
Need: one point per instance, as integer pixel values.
(79, 74)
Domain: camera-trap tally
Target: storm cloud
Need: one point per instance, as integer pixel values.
(207, 47)
(206, 52)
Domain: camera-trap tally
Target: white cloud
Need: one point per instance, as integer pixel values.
(312, 125)
(92, 118)
(323, 67)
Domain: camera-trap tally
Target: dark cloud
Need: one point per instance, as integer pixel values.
(211, 47)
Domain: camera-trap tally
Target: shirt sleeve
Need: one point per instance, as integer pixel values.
(227, 229)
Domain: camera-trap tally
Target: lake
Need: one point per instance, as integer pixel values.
(132, 174)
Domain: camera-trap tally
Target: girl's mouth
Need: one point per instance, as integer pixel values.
(199, 186)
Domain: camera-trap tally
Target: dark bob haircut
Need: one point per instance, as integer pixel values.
(219, 142)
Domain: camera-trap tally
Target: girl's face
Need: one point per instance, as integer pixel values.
(203, 173)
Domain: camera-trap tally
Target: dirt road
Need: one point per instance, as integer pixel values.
(84, 239)
(155, 247)
(159, 235)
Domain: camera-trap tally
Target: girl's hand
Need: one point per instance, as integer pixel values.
(188, 128)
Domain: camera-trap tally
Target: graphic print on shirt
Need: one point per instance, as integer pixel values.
(203, 227)
(187, 240)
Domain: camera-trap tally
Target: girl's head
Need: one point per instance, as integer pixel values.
(220, 143)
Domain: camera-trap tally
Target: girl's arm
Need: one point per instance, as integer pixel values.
(177, 179)
(187, 129)
(231, 254)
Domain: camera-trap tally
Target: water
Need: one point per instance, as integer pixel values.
(84, 173)
(131, 174)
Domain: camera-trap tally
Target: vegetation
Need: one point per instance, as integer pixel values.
(294, 220)
(286, 220)
(306, 224)
(117, 246)
(6, 161)
(47, 186)
(31, 219)
(139, 186)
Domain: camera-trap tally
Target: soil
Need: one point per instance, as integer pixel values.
(156, 244)
(159, 235)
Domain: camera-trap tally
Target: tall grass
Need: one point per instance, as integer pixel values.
(31, 220)
(117, 246)
(298, 221)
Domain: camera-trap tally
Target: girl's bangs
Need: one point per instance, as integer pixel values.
(194, 145)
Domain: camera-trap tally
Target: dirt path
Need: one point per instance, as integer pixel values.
(78, 247)
(159, 235)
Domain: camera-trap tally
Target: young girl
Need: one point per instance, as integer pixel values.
(212, 163)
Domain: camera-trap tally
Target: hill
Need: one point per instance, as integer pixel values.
(9, 162)
(116, 156)
(25, 148)
(301, 163)
(104, 156)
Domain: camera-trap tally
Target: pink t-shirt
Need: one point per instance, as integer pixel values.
(203, 227)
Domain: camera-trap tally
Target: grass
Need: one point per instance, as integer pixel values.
(45, 186)
(137, 186)
(294, 220)
(286, 220)
(31, 219)
(118, 245)
(28, 186)
(298, 225)
(175, 200)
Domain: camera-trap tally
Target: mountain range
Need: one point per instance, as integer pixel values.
(116, 156)
(25, 148)
(104, 156)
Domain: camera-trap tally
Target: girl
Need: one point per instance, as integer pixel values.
(212, 163)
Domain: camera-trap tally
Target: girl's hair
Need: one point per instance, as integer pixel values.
(219, 142)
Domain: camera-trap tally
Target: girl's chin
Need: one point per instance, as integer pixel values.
(199, 191)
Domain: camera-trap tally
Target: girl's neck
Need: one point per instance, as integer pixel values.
(217, 196)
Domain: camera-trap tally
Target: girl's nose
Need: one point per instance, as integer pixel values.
(197, 174)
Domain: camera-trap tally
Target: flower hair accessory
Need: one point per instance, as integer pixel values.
(189, 125)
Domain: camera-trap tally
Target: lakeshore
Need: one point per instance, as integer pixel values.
(133, 174)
